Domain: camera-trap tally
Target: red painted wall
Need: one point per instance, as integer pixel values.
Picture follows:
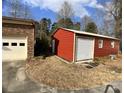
(64, 44)
(106, 50)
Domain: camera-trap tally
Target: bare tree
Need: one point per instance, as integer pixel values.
(115, 9)
(18, 9)
(84, 21)
(15, 8)
(108, 27)
(104, 21)
(99, 20)
(26, 11)
(65, 15)
(66, 11)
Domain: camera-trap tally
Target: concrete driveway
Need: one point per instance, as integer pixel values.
(16, 81)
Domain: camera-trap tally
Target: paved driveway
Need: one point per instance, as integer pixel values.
(16, 81)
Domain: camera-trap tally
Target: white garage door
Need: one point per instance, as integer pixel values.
(85, 48)
(14, 48)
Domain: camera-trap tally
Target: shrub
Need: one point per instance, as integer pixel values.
(42, 45)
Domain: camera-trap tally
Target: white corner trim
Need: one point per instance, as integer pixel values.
(93, 47)
(74, 48)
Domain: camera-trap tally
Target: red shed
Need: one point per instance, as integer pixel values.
(73, 45)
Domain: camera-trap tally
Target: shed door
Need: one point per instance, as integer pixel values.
(85, 48)
(14, 48)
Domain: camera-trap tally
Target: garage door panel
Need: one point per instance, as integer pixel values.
(85, 48)
(15, 52)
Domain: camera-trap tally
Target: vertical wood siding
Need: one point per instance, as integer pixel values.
(107, 49)
(64, 44)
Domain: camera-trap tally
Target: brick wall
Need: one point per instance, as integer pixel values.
(16, 30)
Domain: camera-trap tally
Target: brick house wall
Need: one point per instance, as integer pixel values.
(17, 30)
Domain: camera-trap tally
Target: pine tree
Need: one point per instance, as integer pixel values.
(91, 27)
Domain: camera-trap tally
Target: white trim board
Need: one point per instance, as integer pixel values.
(90, 34)
(83, 45)
(74, 47)
(89, 60)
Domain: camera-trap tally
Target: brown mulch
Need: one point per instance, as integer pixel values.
(55, 73)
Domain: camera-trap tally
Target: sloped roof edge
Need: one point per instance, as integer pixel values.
(13, 20)
(85, 33)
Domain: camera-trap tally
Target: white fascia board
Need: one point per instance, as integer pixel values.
(90, 34)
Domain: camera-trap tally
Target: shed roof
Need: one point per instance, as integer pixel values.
(12, 20)
(87, 33)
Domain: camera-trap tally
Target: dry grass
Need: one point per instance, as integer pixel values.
(55, 73)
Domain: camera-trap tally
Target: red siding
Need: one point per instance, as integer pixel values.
(64, 44)
(106, 50)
